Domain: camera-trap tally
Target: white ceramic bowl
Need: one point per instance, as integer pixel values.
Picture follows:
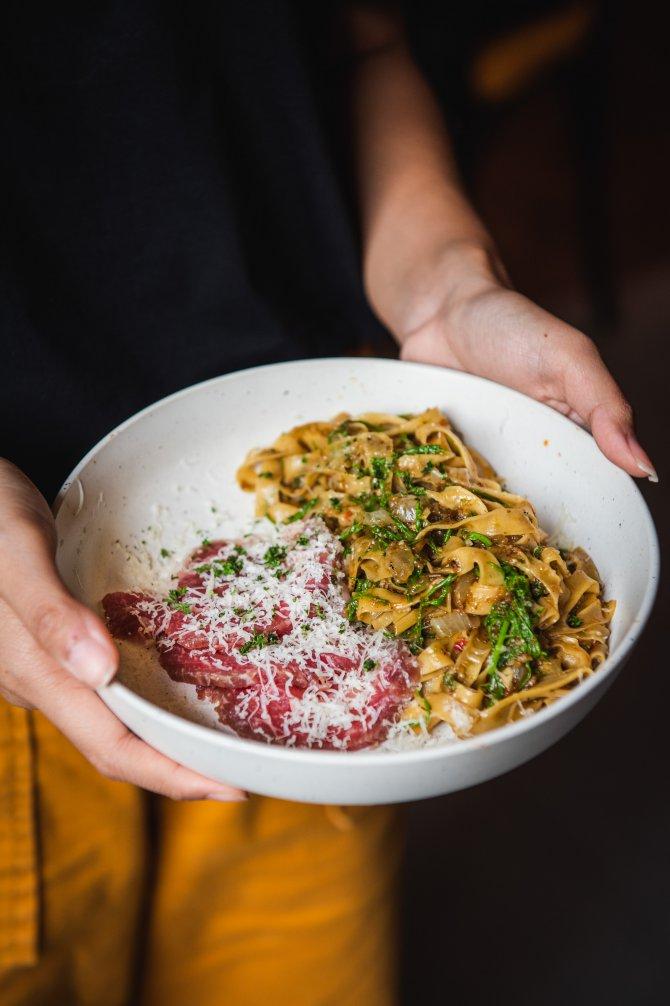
(167, 476)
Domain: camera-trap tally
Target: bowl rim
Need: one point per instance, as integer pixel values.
(229, 742)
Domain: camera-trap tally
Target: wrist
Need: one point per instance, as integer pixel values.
(438, 283)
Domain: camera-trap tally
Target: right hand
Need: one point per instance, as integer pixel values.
(55, 651)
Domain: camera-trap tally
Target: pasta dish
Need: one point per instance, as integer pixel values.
(439, 554)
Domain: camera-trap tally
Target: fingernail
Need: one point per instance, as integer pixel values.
(89, 661)
(641, 459)
(648, 471)
(227, 796)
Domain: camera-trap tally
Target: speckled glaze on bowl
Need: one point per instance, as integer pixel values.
(166, 476)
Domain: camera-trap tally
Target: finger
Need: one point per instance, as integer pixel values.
(29, 677)
(14, 698)
(593, 393)
(117, 753)
(74, 636)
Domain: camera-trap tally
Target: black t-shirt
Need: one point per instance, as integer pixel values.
(174, 209)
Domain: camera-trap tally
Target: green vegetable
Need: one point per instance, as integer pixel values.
(227, 567)
(510, 629)
(425, 705)
(361, 587)
(369, 665)
(476, 536)
(370, 501)
(304, 509)
(352, 529)
(274, 556)
(335, 503)
(434, 597)
(412, 486)
(258, 641)
(494, 688)
(406, 532)
(422, 449)
(303, 540)
(496, 652)
(574, 621)
(221, 567)
(205, 543)
(519, 587)
(165, 553)
(380, 468)
(174, 600)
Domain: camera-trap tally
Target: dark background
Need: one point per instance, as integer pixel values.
(551, 885)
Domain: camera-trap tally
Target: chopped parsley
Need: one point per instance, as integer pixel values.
(258, 641)
(274, 556)
(304, 509)
(352, 529)
(422, 449)
(412, 486)
(369, 664)
(433, 598)
(476, 536)
(361, 587)
(174, 600)
(574, 621)
(380, 468)
(165, 553)
(370, 502)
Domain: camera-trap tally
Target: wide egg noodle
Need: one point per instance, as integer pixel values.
(440, 553)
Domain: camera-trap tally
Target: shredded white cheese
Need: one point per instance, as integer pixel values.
(249, 592)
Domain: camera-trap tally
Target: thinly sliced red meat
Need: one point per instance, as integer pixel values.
(257, 699)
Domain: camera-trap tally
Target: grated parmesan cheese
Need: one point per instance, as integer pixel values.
(268, 610)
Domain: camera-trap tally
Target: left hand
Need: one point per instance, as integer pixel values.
(483, 327)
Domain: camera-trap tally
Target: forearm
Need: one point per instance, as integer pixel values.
(431, 272)
(412, 207)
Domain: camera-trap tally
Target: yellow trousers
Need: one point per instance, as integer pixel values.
(109, 899)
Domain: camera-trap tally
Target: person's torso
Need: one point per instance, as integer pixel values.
(173, 212)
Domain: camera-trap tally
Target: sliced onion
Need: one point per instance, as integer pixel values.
(404, 507)
(400, 558)
(452, 622)
(376, 518)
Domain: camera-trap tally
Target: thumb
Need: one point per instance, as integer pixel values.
(29, 583)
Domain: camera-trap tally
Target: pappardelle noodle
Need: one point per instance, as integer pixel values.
(439, 553)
